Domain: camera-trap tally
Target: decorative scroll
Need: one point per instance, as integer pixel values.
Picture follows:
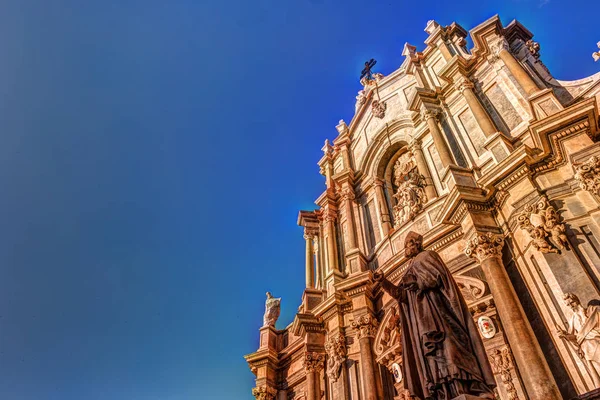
(410, 195)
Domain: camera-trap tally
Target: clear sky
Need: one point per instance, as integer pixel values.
(153, 158)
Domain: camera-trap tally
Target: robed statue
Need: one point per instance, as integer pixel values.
(272, 310)
(442, 353)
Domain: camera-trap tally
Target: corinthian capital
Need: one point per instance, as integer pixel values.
(264, 393)
(415, 144)
(329, 216)
(348, 194)
(485, 246)
(310, 232)
(314, 362)
(365, 325)
(426, 114)
(463, 84)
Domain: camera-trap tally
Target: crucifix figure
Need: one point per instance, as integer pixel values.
(366, 72)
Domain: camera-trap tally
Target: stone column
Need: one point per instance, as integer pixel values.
(310, 259)
(313, 364)
(465, 86)
(431, 116)
(332, 264)
(348, 196)
(538, 380)
(501, 50)
(385, 225)
(366, 328)
(415, 147)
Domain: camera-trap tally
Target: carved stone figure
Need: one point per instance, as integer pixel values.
(583, 332)
(596, 55)
(541, 220)
(442, 352)
(410, 194)
(272, 310)
(336, 353)
(588, 175)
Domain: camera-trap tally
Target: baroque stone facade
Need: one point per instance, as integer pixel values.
(496, 163)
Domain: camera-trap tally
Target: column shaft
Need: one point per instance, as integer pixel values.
(439, 141)
(310, 262)
(385, 225)
(368, 368)
(481, 116)
(536, 374)
(313, 386)
(332, 264)
(349, 204)
(517, 70)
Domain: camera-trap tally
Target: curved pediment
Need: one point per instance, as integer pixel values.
(471, 288)
(388, 343)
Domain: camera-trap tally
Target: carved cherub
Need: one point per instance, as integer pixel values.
(555, 228)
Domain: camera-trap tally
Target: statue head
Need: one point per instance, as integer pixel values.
(269, 295)
(572, 301)
(413, 244)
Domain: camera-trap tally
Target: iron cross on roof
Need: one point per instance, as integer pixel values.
(366, 72)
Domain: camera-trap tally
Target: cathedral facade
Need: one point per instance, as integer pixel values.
(497, 165)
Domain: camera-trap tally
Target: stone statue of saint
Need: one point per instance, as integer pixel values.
(584, 332)
(272, 310)
(442, 353)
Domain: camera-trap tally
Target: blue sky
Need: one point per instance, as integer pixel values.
(153, 158)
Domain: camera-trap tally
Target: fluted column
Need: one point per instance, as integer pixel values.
(415, 147)
(366, 328)
(538, 380)
(439, 140)
(310, 258)
(501, 50)
(465, 86)
(332, 264)
(348, 197)
(313, 364)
